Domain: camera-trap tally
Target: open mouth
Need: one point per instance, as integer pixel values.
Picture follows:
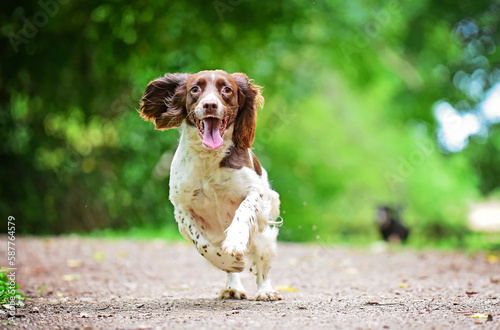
(211, 130)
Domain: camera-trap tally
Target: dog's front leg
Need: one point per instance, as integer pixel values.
(244, 222)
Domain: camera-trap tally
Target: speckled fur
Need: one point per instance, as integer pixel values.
(225, 208)
(226, 213)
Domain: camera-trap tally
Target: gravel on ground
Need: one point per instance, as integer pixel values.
(83, 283)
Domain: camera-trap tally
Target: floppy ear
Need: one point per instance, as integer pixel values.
(249, 97)
(164, 101)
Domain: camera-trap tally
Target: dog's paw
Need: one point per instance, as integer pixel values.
(268, 295)
(236, 242)
(234, 249)
(232, 294)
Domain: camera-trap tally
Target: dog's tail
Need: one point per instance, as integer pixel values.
(274, 218)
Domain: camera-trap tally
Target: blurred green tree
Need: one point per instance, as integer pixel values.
(348, 121)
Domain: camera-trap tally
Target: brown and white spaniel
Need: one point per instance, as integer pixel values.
(222, 198)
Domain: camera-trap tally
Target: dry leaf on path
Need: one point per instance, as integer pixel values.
(492, 259)
(74, 263)
(122, 254)
(71, 277)
(286, 288)
(470, 293)
(99, 256)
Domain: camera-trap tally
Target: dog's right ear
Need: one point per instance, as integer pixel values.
(164, 101)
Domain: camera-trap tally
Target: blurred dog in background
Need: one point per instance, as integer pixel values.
(390, 225)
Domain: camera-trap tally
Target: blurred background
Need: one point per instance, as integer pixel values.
(369, 105)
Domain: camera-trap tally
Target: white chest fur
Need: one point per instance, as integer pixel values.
(209, 193)
(218, 208)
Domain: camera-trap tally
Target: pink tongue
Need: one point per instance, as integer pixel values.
(211, 137)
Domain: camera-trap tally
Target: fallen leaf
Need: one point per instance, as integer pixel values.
(7, 322)
(479, 316)
(494, 280)
(372, 303)
(59, 295)
(401, 285)
(492, 259)
(122, 254)
(74, 263)
(470, 293)
(286, 288)
(98, 256)
(71, 277)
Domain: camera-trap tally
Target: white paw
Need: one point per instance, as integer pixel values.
(268, 295)
(232, 294)
(236, 249)
(236, 242)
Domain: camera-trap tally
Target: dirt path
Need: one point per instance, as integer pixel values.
(139, 285)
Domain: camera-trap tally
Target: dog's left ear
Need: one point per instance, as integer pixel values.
(249, 97)
(164, 101)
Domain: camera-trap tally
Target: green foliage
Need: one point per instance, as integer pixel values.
(347, 124)
(9, 291)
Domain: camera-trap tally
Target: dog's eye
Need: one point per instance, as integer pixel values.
(226, 90)
(195, 89)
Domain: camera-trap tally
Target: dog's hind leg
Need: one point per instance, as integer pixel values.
(263, 251)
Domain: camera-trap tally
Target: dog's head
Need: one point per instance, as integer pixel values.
(209, 101)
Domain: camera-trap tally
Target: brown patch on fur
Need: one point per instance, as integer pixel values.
(237, 269)
(238, 157)
(249, 98)
(200, 220)
(256, 165)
